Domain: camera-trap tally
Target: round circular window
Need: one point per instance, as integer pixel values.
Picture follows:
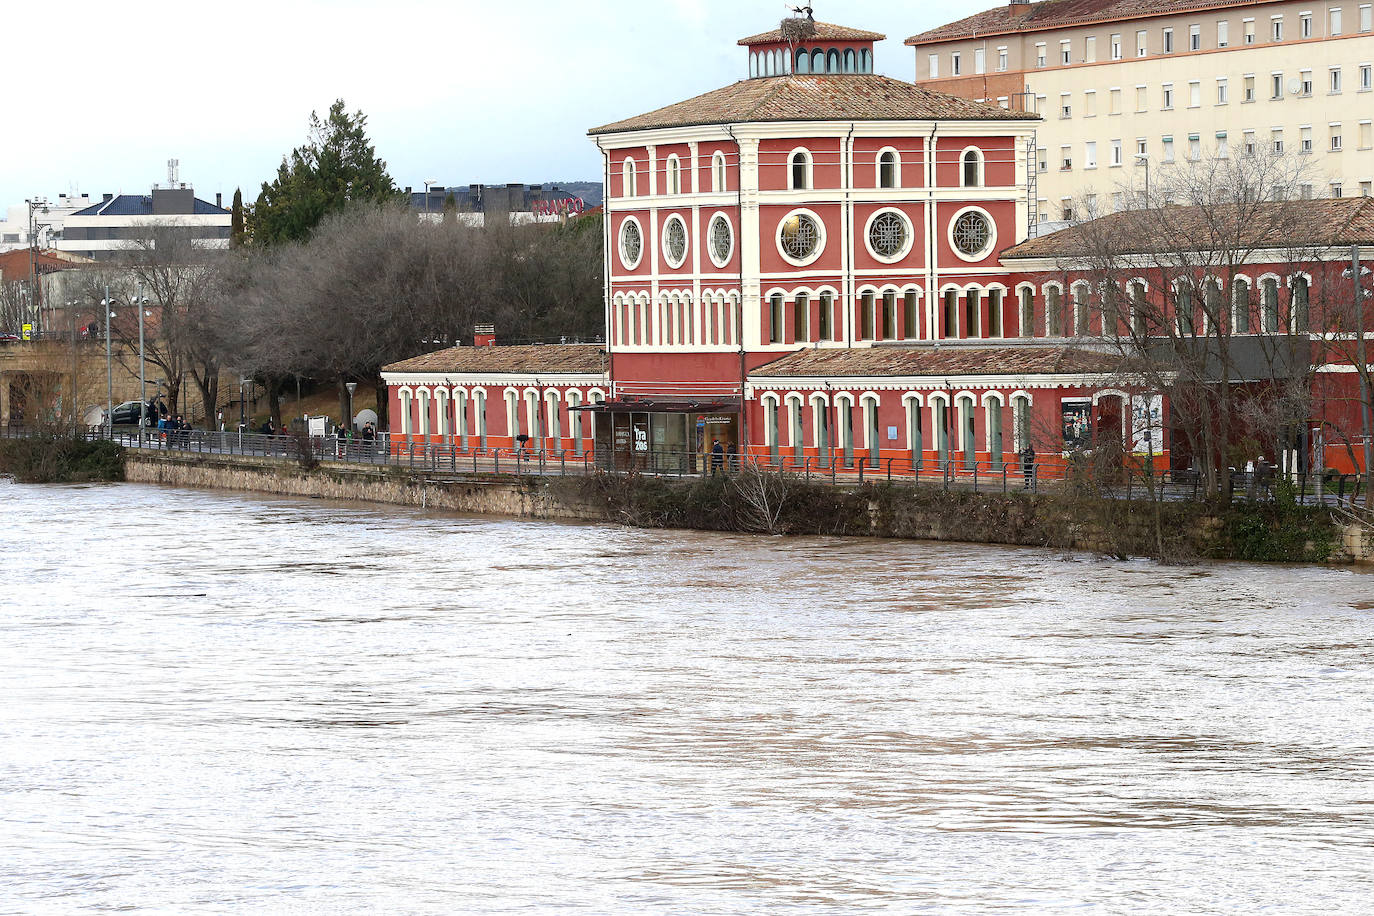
(721, 240)
(972, 234)
(675, 241)
(800, 237)
(889, 235)
(631, 243)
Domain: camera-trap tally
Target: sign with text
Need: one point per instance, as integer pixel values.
(567, 206)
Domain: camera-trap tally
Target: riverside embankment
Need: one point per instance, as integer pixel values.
(1059, 518)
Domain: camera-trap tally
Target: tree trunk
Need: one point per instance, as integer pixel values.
(383, 405)
(347, 421)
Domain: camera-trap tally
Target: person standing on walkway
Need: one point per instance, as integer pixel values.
(717, 458)
(1028, 465)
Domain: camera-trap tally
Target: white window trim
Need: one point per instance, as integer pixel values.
(910, 235)
(820, 241)
(620, 243)
(710, 249)
(992, 235)
(687, 238)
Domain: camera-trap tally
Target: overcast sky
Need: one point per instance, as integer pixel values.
(103, 94)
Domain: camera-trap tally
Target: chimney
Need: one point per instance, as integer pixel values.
(106, 198)
(484, 335)
(219, 200)
(1019, 7)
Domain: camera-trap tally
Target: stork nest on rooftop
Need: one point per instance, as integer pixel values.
(798, 28)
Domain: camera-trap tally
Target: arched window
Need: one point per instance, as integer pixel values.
(801, 171)
(753, 64)
(865, 61)
(1240, 306)
(993, 328)
(718, 171)
(423, 401)
(795, 432)
(674, 175)
(627, 178)
(784, 62)
(818, 61)
(1080, 309)
(405, 398)
(849, 61)
(1271, 306)
(973, 169)
(1020, 421)
(1026, 318)
(1298, 306)
(1139, 318)
(914, 436)
(776, 319)
(871, 440)
(951, 316)
(911, 316)
(824, 317)
(1054, 312)
(887, 169)
(832, 61)
(803, 61)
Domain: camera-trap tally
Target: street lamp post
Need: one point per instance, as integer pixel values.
(348, 420)
(106, 304)
(429, 182)
(139, 303)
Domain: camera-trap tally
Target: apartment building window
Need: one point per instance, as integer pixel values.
(1248, 31)
(1249, 88)
(1168, 96)
(1305, 191)
(1142, 99)
(1335, 22)
(1118, 201)
(1223, 145)
(1334, 83)
(1194, 38)
(934, 66)
(1001, 59)
(1194, 94)
(1040, 54)
(1167, 145)
(1366, 135)
(1366, 77)
(1042, 104)
(1090, 154)
(1142, 146)
(1042, 159)
(1223, 33)
(980, 62)
(1141, 43)
(1277, 79)
(1276, 28)
(1304, 26)
(1276, 138)
(1249, 145)
(1065, 106)
(1065, 52)
(956, 64)
(1002, 102)
(1306, 76)
(1337, 190)
(1090, 205)
(1168, 43)
(1194, 147)
(1304, 139)
(1066, 209)
(1116, 154)
(1065, 158)
(1222, 93)
(1367, 17)
(1116, 46)
(1090, 49)
(1090, 103)
(1367, 189)
(1336, 143)
(1114, 100)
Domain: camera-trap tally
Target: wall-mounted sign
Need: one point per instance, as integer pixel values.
(568, 206)
(27, 331)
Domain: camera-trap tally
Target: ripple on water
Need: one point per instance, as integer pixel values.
(221, 702)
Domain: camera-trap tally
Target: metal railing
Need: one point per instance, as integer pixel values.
(955, 472)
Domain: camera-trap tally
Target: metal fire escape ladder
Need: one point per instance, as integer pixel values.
(1032, 189)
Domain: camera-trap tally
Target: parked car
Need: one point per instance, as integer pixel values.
(7, 336)
(126, 414)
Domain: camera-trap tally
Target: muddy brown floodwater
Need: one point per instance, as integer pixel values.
(214, 702)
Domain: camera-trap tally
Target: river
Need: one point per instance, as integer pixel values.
(217, 702)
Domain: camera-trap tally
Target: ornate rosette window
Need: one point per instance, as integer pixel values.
(675, 241)
(801, 237)
(631, 243)
(889, 235)
(972, 234)
(721, 240)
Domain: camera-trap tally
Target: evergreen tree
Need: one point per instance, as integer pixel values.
(338, 165)
(236, 233)
(450, 208)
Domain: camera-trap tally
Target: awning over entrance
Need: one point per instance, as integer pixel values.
(664, 405)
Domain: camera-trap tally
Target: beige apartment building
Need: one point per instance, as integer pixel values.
(1120, 83)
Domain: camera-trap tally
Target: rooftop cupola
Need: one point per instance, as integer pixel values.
(801, 45)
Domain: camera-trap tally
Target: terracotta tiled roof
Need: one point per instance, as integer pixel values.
(825, 31)
(932, 361)
(1286, 225)
(816, 97)
(1053, 14)
(560, 358)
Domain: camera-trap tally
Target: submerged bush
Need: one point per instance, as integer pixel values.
(61, 459)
